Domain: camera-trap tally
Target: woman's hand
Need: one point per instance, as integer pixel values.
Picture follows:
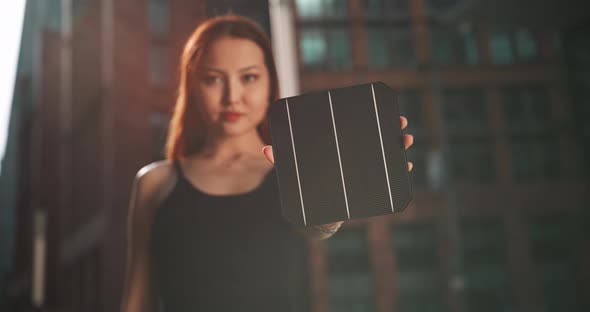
(408, 141)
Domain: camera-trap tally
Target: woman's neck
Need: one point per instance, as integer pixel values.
(229, 149)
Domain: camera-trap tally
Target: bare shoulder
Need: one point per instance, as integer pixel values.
(156, 172)
(155, 181)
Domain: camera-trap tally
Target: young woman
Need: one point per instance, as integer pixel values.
(205, 229)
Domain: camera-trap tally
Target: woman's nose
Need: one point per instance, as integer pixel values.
(233, 93)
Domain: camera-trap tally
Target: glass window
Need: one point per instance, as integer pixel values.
(526, 46)
(325, 48)
(470, 147)
(557, 41)
(308, 8)
(378, 49)
(419, 280)
(440, 6)
(507, 47)
(350, 280)
(313, 47)
(403, 48)
(501, 48)
(555, 244)
(79, 7)
(159, 66)
(418, 155)
(470, 49)
(535, 157)
(574, 47)
(390, 47)
(339, 43)
(535, 153)
(386, 8)
(52, 15)
(488, 285)
(472, 160)
(464, 109)
(452, 47)
(443, 48)
(321, 8)
(527, 108)
(410, 106)
(158, 16)
(335, 7)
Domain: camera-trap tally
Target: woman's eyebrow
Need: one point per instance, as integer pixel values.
(248, 68)
(206, 68)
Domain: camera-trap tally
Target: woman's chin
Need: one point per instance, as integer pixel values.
(234, 130)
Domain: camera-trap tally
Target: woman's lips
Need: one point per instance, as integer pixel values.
(231, 116)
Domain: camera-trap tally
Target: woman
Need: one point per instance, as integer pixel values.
(205, 230)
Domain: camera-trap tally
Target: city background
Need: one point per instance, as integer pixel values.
(496, 93)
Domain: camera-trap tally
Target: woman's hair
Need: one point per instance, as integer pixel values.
(187, 131)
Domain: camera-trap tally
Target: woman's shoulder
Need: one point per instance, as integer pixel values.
(156, 170)
(156, 180)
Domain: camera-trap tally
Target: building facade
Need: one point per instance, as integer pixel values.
(499, 217)
(100, 88)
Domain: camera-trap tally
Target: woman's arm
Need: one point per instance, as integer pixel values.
(148, 189)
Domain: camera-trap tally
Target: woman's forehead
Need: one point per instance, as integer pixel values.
(233, 54)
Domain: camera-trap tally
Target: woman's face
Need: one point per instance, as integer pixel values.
(233, 85)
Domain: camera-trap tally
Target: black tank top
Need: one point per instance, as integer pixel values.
(227, 252)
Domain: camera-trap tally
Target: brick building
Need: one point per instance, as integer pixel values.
(499, 218)
(100, 87)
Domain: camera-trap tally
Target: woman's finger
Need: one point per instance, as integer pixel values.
(408, 140)
(410, 166)
(404, 121)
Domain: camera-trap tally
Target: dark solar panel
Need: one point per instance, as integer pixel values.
(339, 154)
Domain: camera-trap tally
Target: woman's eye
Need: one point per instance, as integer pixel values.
(250, 77)
(209, 80)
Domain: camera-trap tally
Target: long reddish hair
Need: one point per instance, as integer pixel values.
(187, 131)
